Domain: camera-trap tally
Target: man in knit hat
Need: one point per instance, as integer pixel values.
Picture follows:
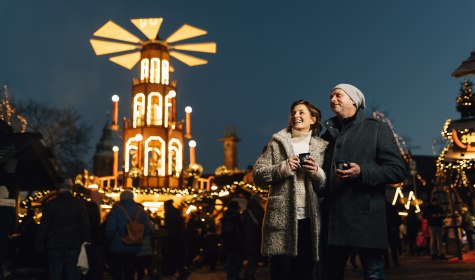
(361, 159)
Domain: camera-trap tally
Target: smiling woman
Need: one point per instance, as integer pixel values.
(291, 227)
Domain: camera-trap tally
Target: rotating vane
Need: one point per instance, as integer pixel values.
(125, 47)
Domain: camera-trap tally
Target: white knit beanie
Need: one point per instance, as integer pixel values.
(354, 93)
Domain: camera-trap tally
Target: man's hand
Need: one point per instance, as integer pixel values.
(352, 172)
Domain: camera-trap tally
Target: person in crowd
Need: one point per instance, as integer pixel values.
(211, 240)
(7, 222)
(252, 224)
(64, 227)
(434, 214)
(233, 240)
(175, 225)
(95, 256)
(423, 238)
(361, 159)
(393, 221)
(122, 256)
(413, 226)
(452, 227)
(467, 225)
(192, 240)
(144, 259)
(291, 227)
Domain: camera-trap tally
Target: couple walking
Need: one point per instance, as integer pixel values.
(317, 210)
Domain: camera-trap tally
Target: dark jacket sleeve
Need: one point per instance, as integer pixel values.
(85, 225)
(389, 167)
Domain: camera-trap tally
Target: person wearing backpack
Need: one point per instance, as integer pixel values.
(120, 227)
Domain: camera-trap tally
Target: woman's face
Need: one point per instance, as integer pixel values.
(300, 118)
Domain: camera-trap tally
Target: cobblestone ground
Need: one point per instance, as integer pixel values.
(423, 268)
(417, 267)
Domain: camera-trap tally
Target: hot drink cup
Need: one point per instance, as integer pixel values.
(303, 157)
(342, 164)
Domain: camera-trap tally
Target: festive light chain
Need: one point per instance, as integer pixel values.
(380, 116)
(399, 141)
(445, 133)
(7, 114)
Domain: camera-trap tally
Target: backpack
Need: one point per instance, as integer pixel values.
(134, 229)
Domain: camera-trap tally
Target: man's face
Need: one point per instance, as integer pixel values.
(341, 104)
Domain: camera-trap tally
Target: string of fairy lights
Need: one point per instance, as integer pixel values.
(455, 168)
(411, 199)
(9, 115)
(189, 195)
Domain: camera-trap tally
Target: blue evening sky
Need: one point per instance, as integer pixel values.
(270, 53)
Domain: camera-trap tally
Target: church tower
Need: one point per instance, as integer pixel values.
(230, 142)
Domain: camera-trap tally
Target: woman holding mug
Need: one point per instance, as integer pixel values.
(291, 229)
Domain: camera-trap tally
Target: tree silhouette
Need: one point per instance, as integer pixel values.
(63, 132)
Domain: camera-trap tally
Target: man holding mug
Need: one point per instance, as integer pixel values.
(361, 159)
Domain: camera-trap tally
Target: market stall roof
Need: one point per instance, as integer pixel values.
(25, 163)
(467, 67)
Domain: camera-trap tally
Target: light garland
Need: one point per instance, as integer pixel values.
(454, 170)
(8, 113)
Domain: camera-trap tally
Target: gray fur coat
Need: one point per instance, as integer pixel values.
(280, 220)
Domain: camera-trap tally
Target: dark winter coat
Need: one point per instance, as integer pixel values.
(232, 231)
(64, 223)
(7, 222)
(355, 209)
(252, 224)
(175, 225)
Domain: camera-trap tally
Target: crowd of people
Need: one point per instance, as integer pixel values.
(326, 205)
(173, 245)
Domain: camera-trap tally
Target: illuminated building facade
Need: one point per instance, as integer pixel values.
(153, 138)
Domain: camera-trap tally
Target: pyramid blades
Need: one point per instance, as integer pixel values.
(126, 60)
(113, 31)
(207, 47)
(105, 47)
(188, 59)
(185, 32)
(148, 26)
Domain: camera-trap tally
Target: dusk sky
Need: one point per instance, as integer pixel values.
(270, 53)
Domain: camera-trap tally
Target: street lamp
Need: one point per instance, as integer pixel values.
(115, 112)
(188, 111)
(115, 166)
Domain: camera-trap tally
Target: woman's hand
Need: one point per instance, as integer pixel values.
(293, 162)
(310, 165)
